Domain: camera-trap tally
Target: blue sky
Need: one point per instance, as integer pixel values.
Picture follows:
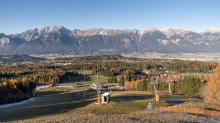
(17, 16)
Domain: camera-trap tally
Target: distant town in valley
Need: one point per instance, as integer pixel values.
(207, 57)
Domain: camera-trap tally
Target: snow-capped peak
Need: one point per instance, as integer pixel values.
(168, 31)
(212, 30)
(177, 29)
(36, 32)
(152, 29)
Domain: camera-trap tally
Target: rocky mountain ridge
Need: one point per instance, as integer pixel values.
(59, 40)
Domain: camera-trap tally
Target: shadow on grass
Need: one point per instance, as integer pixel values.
(79, 78)
(89, 78)
(46, 105)
(132, 97)
(49, 93)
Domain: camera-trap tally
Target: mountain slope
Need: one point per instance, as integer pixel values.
(8, 44)
(32, 34)
(51, 43)
(96, 41)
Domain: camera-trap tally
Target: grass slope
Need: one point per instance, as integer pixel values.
(89, 78)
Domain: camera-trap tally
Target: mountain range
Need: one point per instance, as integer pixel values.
(96, 41)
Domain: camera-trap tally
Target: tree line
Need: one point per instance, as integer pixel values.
(191, 66)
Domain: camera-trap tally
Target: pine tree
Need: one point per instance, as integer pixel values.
(115, 80)
(121, 82)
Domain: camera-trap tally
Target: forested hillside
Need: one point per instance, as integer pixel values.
(19, 81)
(191, 66)
(19, 58)
(101, 58)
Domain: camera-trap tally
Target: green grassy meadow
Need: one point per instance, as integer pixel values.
(192, 74)
(89, 78)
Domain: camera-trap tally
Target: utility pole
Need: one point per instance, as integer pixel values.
(76, 88)
(97, 75)
(110, 90)
(124, 81)
(129, 86)
(98, 83)
(84, 88)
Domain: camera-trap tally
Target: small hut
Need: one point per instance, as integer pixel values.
(105, 97)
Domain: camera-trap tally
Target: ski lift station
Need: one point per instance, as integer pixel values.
(96, 86)
(105, 97)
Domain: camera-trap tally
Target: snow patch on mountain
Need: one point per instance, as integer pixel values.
(102, 33)
(149, 30)
(164, 42)
(212, 30)
(34, 33)
(168, 31)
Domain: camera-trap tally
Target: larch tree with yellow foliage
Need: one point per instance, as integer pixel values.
(212, 89)
(169, 77)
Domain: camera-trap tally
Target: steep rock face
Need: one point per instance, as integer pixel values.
(153, 39)
(51, 43)
(32, 34)
(195, 42)
(119, 43)
(169, 32)
(100, 31)
(178, 34)
(8, 44)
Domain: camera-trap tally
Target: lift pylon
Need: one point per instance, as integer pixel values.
(154, 82)
(169, 85)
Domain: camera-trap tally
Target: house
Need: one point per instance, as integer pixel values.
(147, 72)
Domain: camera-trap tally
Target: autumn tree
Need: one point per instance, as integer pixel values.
(162, 78)
(169, 77)
(176, 78)
(212, 89)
